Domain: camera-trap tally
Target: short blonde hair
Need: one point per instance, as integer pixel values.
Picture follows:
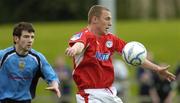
(95, 11)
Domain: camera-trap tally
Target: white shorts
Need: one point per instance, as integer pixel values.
(106, 95)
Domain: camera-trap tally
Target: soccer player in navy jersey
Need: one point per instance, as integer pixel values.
(21, 67)
(92, 49)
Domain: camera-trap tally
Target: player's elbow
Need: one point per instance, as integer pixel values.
(79, 47)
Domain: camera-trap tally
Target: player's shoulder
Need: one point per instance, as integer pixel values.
(36, 53)
(6, 50)
(82, 31)
(79, 34)
(33, 51)
(111, 35)
(114, 37)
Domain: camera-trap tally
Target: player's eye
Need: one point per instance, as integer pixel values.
(26, 36)
(108, 18)
(32, 37)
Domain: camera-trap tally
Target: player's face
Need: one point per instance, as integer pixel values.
(104, 22)
(25, 41)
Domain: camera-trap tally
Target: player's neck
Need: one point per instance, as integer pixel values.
(94, 30)
(20, 51)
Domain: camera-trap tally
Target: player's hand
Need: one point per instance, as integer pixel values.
(55, 88)
(70, 51)
(163, 71)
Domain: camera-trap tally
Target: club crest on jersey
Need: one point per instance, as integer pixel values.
(76, 36)
(109, 44)
(21, 64)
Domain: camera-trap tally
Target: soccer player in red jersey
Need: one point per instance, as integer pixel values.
(92, 49)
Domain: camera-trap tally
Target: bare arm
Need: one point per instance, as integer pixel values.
(75, 49)
(54, 86)
(161, 70)
(148, 64)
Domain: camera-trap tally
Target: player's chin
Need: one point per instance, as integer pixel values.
(28, 48)
(105, 31)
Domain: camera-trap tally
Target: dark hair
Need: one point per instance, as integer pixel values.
(95, 10)
(22, 26)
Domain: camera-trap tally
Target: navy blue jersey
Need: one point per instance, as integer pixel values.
(19, 74)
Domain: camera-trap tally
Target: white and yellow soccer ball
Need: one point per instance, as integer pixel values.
(134, 53)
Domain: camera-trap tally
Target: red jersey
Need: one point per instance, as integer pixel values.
(93, 67)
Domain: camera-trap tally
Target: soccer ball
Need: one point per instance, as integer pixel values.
(134, 53)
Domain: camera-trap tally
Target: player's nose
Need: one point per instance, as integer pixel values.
(110, 23)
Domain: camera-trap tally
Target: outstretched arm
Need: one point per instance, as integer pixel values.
(55, 88)
(75, 49)
(161, 70)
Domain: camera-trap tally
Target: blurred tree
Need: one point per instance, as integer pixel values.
(122, 7)
(140, 8)
(48, 10)
(40, 10)
(177, 5)
(145, 9)
(165, 9)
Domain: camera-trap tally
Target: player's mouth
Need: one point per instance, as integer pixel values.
(107, 29)
(29, 46)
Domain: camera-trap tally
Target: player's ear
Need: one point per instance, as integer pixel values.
(94, 19)
(15, 39)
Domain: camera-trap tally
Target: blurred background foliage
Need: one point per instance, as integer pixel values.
(55, 10)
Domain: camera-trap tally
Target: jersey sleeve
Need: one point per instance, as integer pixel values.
(119, 44)
(47, 70)
(1, 55)
(79, 37)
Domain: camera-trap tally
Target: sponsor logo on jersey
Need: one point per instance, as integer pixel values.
(109, 44)
(76, 36)
(21, 64)
(102, 56)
